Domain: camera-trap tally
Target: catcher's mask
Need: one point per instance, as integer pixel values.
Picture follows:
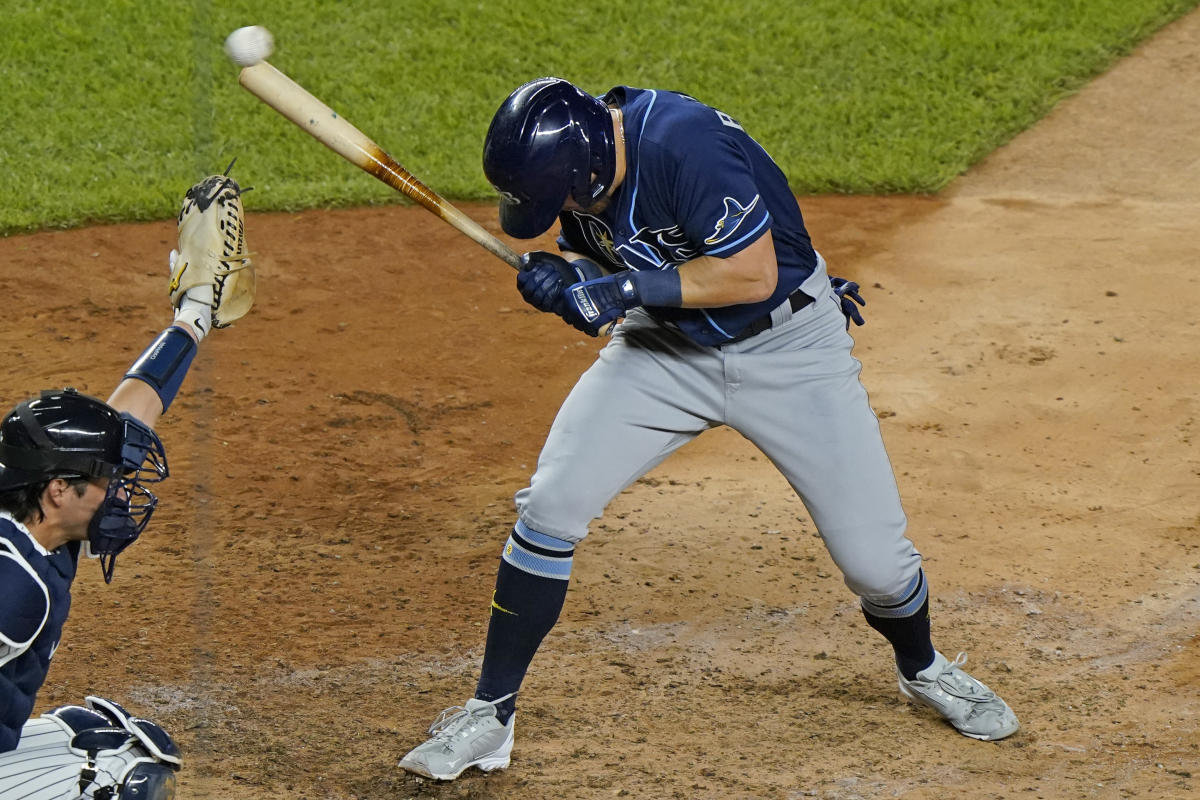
(65, 434)
(545, 144)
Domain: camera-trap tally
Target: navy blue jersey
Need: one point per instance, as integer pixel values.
(35, 598)
(695, 185)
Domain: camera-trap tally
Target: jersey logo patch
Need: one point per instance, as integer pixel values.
(735, 212)
(597, 236)
(598, 233)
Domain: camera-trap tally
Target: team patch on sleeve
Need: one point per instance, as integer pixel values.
(735, 214)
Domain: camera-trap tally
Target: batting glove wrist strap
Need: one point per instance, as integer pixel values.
(164, 363)
(592, 304)
(657, 287)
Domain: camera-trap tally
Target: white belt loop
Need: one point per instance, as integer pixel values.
(782, 312)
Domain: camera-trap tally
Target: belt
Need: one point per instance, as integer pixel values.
(797, 300)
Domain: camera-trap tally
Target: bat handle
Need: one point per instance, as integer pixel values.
(501, 251)
(449, 213)
(509, 257)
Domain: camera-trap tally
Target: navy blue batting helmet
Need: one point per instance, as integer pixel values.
(547, 142)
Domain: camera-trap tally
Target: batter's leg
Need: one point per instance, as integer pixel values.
(649, 392)
(627, 413)
(800, 401)
(827, 443)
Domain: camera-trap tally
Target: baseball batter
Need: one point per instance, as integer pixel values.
(74, 480)
(674, 220)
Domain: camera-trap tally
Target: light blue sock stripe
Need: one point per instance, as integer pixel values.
(910, 607)
(536, 563)
(541, 539)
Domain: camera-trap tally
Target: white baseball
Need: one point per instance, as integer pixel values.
(250, 45)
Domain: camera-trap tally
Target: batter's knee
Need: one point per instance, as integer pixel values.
(897, 599)
(555, 514)
(882, 579)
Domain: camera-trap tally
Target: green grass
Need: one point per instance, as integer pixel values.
(112, 107)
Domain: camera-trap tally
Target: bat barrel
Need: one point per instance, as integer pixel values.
(323, 123)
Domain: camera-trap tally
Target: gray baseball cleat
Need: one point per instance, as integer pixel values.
(965, 702)
(463, 737)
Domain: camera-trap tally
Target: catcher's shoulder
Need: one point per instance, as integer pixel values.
(24, 599)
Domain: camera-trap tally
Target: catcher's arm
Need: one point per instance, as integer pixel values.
(138, 398)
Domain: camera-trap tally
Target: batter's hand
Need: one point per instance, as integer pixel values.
(544, 276)
(847, 290)
(591, 305)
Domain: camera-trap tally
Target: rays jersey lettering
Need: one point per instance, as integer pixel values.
(696, 184)
(658, 248)
(643, 249)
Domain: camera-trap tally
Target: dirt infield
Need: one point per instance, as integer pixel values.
(315, 586)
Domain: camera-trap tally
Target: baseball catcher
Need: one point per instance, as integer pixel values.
(76, 478)
(675, 220)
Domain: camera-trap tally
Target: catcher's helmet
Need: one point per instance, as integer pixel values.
(65, 434)
(547, 142)
(60, 434)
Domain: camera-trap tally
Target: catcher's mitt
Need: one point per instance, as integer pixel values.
(212, 249)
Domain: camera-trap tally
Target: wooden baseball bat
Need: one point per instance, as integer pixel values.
(325, 125)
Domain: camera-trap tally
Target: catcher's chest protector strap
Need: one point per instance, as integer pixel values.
(25, 668)
(165, 363)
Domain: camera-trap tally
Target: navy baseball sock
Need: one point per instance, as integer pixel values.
(531, 587)
(906, 630)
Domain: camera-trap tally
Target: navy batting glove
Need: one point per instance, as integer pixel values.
(544, 276)
(847, 290)
(592, 304)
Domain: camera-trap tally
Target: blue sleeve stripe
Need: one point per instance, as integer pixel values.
(164, 363)
(750, 235)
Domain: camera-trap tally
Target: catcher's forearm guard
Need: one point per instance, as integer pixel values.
(164, 363)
